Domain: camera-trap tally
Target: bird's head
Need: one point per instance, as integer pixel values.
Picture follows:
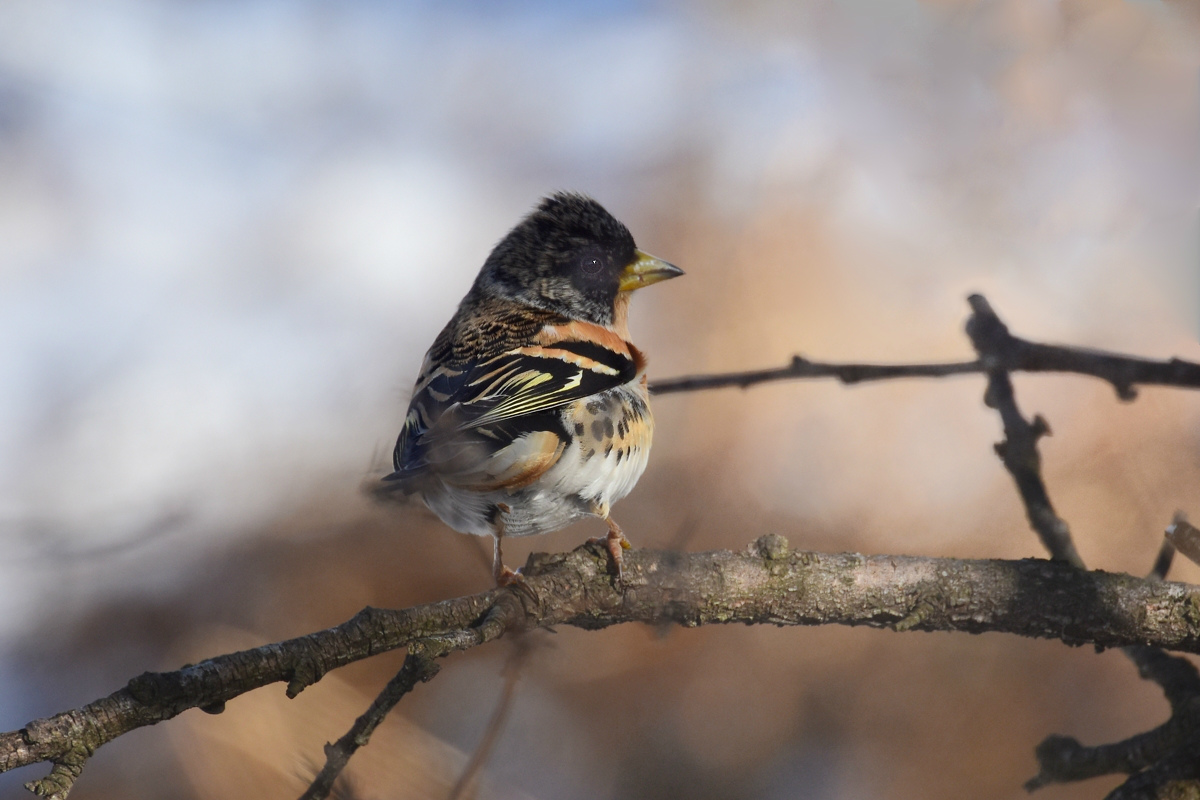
(572, 257)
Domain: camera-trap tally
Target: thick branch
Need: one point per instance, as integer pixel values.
(768, 584)
(69, 738)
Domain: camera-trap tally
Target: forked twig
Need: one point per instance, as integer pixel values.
(1167, 753)
(420, 665)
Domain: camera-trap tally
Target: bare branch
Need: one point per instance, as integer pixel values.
(1162, 563)
(68, 739)
(803, 368)
(1018, 450)
(1159, 756)
(1185, 537)
(1005, 352)
(1000, 350)
(768, 584)
(419, 666)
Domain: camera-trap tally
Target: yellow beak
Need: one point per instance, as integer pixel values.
(644, 270)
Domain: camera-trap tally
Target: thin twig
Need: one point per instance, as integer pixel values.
(1019, 453)
(491, 734)
(1185, 537)
(1005, 352)
(1018, 450)
(1164, 559)
(803, 368)
(420, 665)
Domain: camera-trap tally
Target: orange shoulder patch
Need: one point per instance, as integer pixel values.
(579, 331)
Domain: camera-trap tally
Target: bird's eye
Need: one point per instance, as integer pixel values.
(590, 266)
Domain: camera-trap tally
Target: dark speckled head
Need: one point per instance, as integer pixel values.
(569, 256)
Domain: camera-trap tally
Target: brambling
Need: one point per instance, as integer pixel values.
(531, 409)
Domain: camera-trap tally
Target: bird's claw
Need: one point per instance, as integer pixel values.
(510, 579)
(507, 577)
(614, 543)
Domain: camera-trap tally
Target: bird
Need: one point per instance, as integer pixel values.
(531, 409)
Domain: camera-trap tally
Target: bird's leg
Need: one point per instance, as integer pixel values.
(502, 574)
(615, 542)
(498, 568)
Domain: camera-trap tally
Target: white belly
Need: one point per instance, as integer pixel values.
(601, 479)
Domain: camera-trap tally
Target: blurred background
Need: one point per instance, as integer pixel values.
(228, 232)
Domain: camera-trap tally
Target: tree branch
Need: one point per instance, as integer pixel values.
(420, 665)
(1004, 352)
(767, 584)
(801, 367)
(1155, 758)
(1018, 450)
(68, 739)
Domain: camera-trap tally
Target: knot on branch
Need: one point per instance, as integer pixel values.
(1039, 427)
(1060, 759)
(370, 617)
(304, 673)
(800, 363)
(988, 334)
(1126, 392)
(771, 546)
(156, 688)
(166, 692)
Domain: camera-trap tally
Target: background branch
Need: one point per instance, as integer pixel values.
(1155, 758)
(1018, 450)
(465, 784)
(801, 367)
(1002, 351)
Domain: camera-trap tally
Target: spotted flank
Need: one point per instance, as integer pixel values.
(611, 442)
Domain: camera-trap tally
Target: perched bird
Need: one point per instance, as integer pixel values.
(531, 409)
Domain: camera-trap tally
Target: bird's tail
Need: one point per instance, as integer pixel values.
(394, 487)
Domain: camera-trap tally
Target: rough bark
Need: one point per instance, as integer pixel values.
(767, 584)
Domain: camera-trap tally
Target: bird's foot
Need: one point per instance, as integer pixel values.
(510, 579)
(614, 542)
(506, 577)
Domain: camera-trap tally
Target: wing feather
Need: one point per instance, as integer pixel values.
(498, 423)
